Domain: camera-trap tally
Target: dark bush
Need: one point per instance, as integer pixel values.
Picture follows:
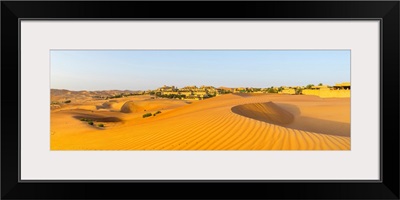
(67, 101)
(272, 90)
(90, 123)
(100, 125)
(298, 91)
(147, 115)
(309, 86)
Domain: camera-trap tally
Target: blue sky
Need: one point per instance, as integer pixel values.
(150, 69)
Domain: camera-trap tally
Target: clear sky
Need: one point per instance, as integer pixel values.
(150, 69)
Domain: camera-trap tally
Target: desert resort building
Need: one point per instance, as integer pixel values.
(287, 90)
(189, 92)
(337, 91)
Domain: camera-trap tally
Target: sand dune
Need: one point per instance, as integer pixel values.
(267, 112)
(212, 124)
(130, 107)
(150, 105)
(272, 113)
(105, 105)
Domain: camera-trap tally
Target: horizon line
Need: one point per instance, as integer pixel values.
(193, 85)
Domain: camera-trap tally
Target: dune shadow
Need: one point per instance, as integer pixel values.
(105, 105)
(244, 95)
(289, 116)
(268, 112)
(97, 118)
(321, 126)
(247, 95)
(294, 110)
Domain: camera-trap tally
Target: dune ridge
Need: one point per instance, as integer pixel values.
(267, 112)
(150, 105)
(272, 113)
(130, 107)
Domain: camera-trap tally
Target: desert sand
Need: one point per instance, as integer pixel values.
(227, 122)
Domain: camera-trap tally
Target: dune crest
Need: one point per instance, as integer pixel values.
(150, 105)
(267, 112)
(131, 107)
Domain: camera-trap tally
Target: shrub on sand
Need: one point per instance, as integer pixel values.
(147, 115)
(158, 112)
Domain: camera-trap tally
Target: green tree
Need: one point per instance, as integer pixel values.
(298, 91)
(272, 90)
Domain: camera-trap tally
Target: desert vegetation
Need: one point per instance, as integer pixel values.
(158, 112)
(89, 121)
(147, 115)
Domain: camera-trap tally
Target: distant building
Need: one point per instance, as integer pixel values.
(342, 86)
(186, 93)
(191, 87)
(288, 91)
(167, 88)
(193, 97)
(169, 92)
(201, 93)
(340, 90)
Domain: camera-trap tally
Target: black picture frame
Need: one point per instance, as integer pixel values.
(385, 11)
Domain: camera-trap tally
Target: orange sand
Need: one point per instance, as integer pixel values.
(227, 122)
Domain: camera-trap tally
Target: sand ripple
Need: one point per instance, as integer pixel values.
(220, 123)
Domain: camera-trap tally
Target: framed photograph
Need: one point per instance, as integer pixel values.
(216, 99)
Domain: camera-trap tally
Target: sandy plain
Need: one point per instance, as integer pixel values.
(227, 122)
